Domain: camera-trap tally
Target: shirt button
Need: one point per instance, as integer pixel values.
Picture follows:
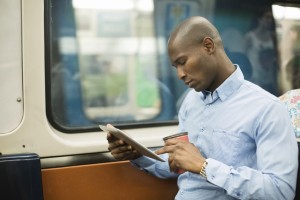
(238, 194)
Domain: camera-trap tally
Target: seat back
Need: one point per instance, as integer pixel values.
(20, 177)
(298, 176)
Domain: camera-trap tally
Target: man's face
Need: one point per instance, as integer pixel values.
(267, 20)
(194, 65)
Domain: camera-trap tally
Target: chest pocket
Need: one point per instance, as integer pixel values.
(219, 144)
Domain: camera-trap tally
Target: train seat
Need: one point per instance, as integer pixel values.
(298, 176)
(20, 177)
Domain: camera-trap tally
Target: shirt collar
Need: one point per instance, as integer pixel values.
(227, 88)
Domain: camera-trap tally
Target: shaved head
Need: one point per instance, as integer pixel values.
(193, 31)
(195, 49)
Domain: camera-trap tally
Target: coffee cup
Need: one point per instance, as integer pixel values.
(180, 136)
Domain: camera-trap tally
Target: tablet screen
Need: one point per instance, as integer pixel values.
(136, 145)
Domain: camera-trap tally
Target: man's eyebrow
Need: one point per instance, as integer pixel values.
(177, 60)
(174, 64)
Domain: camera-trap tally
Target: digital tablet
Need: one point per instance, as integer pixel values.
(136, 145)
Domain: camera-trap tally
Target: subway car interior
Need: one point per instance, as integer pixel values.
(68, 66)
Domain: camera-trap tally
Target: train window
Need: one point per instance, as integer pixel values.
(107, 61)
(117, 55)
(288, 35)
(11, 102)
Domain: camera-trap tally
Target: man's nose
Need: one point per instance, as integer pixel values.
(180, 72)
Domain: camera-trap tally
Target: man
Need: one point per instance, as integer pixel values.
(241, 141)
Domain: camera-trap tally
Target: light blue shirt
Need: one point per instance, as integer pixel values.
(247, 137)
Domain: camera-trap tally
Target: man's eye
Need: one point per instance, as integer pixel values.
(182, 62)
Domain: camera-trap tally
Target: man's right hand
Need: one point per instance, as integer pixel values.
(121, 150)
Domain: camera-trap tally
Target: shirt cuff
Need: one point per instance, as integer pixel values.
(217, 172)
(142, 162)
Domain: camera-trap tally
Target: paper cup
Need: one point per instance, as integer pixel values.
(180, 136)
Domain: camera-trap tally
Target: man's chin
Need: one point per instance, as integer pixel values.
(197, 89)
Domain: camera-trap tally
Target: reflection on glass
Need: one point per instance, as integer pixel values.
(261, 49)
(117, 59)
(288, 36)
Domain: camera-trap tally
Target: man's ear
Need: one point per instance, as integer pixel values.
(209, 45)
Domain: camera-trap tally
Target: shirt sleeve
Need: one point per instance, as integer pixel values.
(154, 167)
(277, 162)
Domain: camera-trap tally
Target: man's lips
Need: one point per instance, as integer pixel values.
(188, 83)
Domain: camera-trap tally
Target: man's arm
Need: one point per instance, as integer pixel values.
(277, 162)
(122, 151)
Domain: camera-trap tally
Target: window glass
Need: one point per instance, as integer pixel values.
(288, 36)
(11, 101)
(108, 60)
(117, 56)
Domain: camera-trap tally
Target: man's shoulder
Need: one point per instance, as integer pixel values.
(259, 92)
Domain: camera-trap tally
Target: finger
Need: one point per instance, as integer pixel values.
(130, 155)
(165, 149)
(121, 149)
(125, 155)
(160, 151)
(172, 165)
(173, 141)
(116, 144)
(111, 138)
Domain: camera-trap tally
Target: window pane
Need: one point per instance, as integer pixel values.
(109, 62)
(117, 62)
(288, 36)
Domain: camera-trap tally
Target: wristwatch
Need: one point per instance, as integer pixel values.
(202, 170)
